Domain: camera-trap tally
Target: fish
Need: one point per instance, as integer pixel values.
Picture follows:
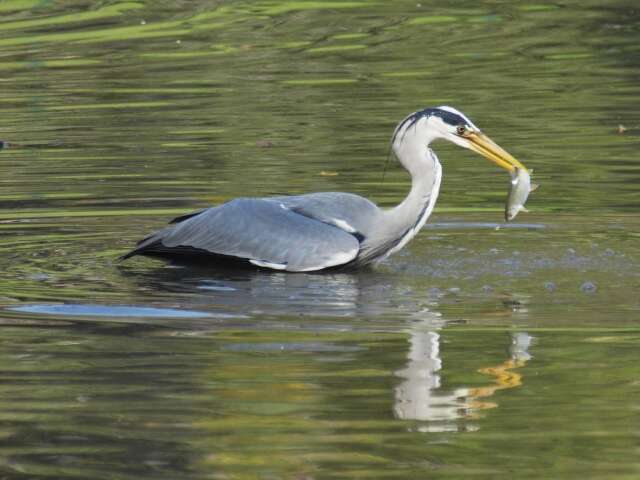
(520, 187)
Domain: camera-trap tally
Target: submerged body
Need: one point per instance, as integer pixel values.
(331, 229)
(520, 187)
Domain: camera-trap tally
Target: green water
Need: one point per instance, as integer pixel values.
(476, 352)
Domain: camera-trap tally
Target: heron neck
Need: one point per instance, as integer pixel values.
(424, 168)
(404, 221)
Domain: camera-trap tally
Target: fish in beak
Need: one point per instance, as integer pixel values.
(520, 177)
(520, 187)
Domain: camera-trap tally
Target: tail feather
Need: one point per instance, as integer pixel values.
(145, 245)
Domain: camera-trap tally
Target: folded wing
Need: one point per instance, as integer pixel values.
(264, 232)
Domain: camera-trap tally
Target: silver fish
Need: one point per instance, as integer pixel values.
(519, 189)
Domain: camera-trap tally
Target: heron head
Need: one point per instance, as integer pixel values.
(450, 124)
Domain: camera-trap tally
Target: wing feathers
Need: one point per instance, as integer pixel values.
(262, 231)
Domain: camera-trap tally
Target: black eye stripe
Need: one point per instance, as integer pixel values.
(450, 118)
(447, 117)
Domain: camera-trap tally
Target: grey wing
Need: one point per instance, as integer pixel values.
(184, 217)
(263, 231)
(349, 212)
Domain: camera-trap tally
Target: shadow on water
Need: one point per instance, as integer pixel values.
(259, 292)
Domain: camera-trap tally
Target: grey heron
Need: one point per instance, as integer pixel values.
(318, 231)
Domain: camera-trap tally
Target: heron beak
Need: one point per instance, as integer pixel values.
(486, 147)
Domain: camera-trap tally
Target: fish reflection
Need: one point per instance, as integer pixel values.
(420, 395)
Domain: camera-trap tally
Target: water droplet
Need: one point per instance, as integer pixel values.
(512, 303)
(549, 286)
(588, 287)
(266, 143)
(38, 276)
(487, 289)
(609, 252)
(434, 292)
(454, 290)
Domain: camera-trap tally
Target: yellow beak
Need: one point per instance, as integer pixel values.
(486, 147)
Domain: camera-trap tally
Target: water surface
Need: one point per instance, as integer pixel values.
(481, 350)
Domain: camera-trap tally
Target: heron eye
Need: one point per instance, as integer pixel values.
(461, 130)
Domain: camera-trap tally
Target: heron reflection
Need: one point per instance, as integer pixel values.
(420, 395)
(363, 294)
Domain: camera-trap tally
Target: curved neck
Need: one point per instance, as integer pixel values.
(422, 164)
(404, 221)
(418, 160)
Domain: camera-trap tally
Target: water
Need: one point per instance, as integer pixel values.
(481, 350)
